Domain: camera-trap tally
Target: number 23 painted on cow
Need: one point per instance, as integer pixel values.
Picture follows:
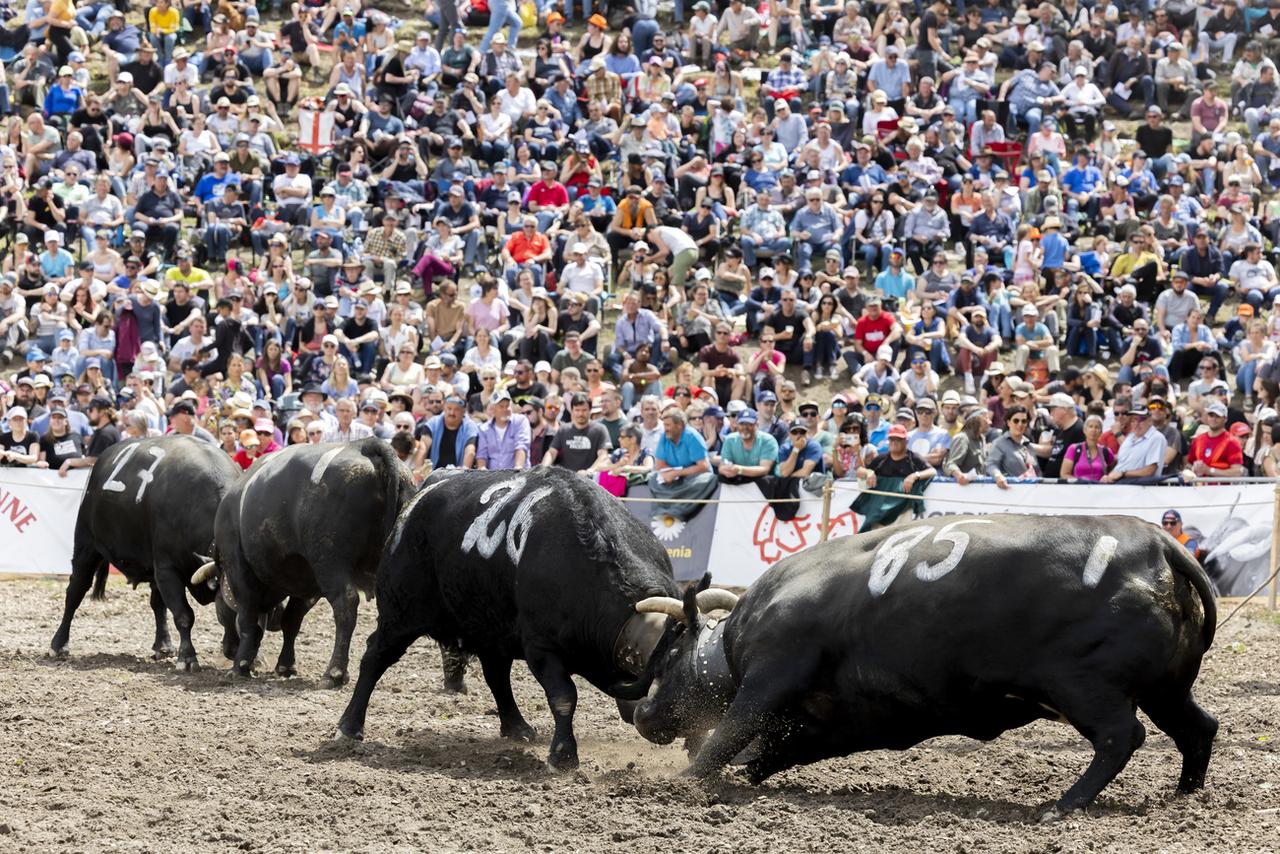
(894, 552)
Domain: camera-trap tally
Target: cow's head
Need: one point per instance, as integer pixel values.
(688, 693)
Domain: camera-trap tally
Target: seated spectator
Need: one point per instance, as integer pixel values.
(682, 468)
(1215, 452)
(1011, 456)
(1088, 460)
(1141, 455)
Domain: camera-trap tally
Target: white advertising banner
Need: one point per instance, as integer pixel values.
(38, 519)
(1231, 524)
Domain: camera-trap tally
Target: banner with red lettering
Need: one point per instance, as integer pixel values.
(38, 519)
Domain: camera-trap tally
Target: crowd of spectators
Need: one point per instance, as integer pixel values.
(1006, 241)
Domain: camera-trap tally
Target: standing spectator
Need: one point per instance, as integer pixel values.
(581, 444)
(504, 440)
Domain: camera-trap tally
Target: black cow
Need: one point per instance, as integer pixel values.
(148, 509)
(306, 522)
(959, 625)
(539, 565)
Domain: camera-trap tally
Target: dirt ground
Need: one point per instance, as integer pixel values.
(111, 751)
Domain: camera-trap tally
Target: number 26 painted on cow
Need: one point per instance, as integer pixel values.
(144, 477)
(895, 551)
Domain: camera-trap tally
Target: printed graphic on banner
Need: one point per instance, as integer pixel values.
(38, 519)
(688, 542)
(750, 538)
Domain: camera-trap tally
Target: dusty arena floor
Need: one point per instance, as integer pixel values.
(110, 751)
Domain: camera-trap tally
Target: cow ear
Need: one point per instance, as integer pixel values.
(691, 603)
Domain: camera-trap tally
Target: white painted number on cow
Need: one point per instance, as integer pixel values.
(1103, 551)
(521, 521)
(486, 541)
(478, 536)
(896, 550)
(145, 476)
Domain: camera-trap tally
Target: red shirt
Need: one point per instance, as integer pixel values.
(243, 458)
(872, 333)
(1217, 452)
(553, 195)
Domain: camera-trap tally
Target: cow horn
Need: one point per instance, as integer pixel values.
(668, 605)
(204, 573)
(716, 600)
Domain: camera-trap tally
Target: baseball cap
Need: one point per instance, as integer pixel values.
(897, 431)
(1216, 408)
(748, 416)
(1061, 400)
(249, 439)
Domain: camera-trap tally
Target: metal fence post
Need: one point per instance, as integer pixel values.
(1275, 547)
(828, 487)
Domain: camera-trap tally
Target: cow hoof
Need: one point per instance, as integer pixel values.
(161, 651)
(186, 665)
(348, 738)
(59, 652)
(562, 763)
(523, 732)
(1058, 813)
(242, 669)
(286, 670)
(333, 679)
(455, 686)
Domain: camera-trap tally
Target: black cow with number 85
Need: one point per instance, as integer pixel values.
(959, 625)
(148, 509)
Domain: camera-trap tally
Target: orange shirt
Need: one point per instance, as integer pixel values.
(523, 249)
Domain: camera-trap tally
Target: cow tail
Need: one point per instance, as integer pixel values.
(1189, 568)
(398, 483)
(100, 580)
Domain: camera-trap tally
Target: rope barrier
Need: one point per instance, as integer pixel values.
(1256, 591)
(850, 488)
(974, 503)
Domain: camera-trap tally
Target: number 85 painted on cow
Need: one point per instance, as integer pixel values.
(895, 551)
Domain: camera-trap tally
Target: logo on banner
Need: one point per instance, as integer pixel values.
(775, 539)
(16, 511)
(666, 527)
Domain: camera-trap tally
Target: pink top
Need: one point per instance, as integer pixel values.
(1090, 468)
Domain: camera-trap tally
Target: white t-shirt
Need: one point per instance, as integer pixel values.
(518, 104)
(1254, 277)
(584, 279)
(301, 181)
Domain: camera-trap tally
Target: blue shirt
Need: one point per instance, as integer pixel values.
(1082, 180)
(59, 101)
(499, 452)
(1055, 247)
(811, 451)
(690, 449)
(895, 285)
(56, 264)
(211, 186)
(763, 448)
(630, 334)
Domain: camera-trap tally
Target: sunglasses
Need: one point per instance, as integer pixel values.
(1168, 523)
(1017, 421)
